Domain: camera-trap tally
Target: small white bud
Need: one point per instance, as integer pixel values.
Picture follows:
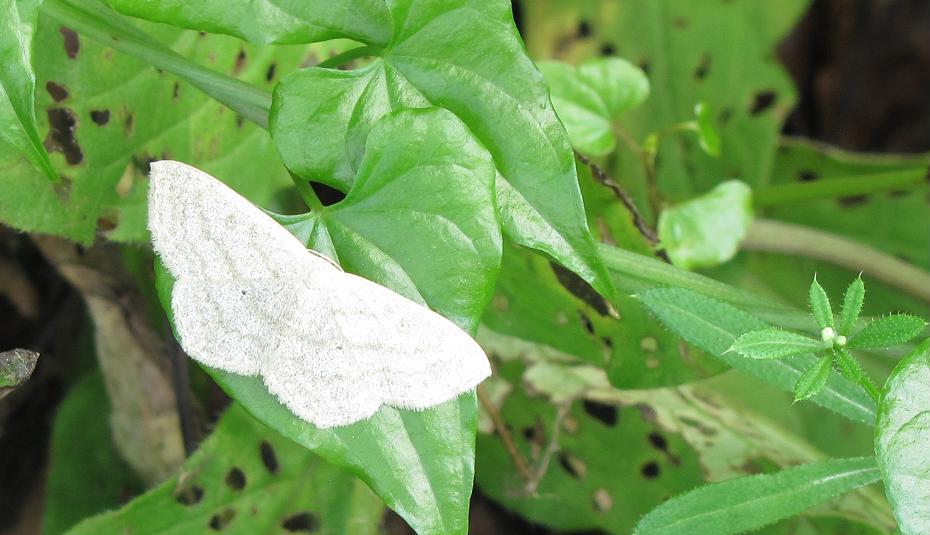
(841, 340)
(827, 334)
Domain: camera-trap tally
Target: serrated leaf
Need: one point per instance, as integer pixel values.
(421, 463)
(820, 305)
(749, 503)
(707, 230)
(852, 306)
(814, 379)
(247, 479)
(708, 137)
(713, 326)
(18, 82)
(901, 438)
(590, 97)
(888, 331)
(774, 344)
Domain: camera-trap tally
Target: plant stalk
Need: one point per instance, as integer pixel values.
(840, 187)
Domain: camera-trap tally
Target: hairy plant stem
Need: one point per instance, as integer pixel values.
(849, 366)
(786, 238)
(504, 433)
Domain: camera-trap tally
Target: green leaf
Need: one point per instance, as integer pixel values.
(820, 305)
(420, 463)
(590, 97)
(86, 473)
(18, 83)
(814, 379)
(247, 479)
(888, 331)
(713, 326)
(707, 231)
(118, 115)
(439, 54)
(774, 344)
(901, 437)
(749, 503)
(852, 306)
(708, 137)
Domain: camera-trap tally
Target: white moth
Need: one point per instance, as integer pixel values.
(250, 299)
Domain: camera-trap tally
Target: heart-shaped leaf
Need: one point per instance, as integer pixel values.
(18, 82)
(421, 220)
(901, 437)
(462, 55)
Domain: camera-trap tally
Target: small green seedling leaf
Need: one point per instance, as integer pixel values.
(774, 344)
(814, 379)
(707, 231)
(708, 137)
(713, 325)
(888, 331)
(16, 366)
(749, 503)
(852, 306)
(590, 97)
(18, 82)
(820, 307)
(901, 437)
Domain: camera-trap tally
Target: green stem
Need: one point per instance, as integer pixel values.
(786, 238)
(110, 28)
(349, 55)
(307, 194)
(840, 187)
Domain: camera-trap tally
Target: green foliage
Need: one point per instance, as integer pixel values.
(708, 137)
(820, 305)
(707, 230)
(852, 306)
(888, 331)
(86, 475)
(18, 82)
(902, 433)
(814, 379)
(16, 366)
(247, 479)
(713, 326)
(749, 503)
(589, 98)
(774, 344)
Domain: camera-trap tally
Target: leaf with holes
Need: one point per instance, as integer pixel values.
(713, 326)
(247, 479)
(707, 230)
(687, 50)
(774, 344)
(589, 98)
(901, 437)
(888, 331)
(749, 503)
(86, 474)
(108, 115)
(18, 81)
(420, 462)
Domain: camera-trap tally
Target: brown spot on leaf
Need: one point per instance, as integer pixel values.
(272, 69)
(72, 44)
(189, 495)
(572, 465)
(806, 175)
(269, 458)
(603, 501)
(608, 49)
(62, 124)
(703, 67)
(176, 90)
(651, 470)
(580, 289)
(852, 201)
(584, 28)
(762, 101)
(235, 479)
(239, 64)
(606, 414)
(129, 124)
(56, 90)
(658, 441)
(304, 522)
(647, 412)
(63, 188)
(101, 117)
(219, 521)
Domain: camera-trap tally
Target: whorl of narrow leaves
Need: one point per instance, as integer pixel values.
(852, 306)
(774, 344)
(814, 378)
(820, 305)
(888, 331)
(749, 503)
